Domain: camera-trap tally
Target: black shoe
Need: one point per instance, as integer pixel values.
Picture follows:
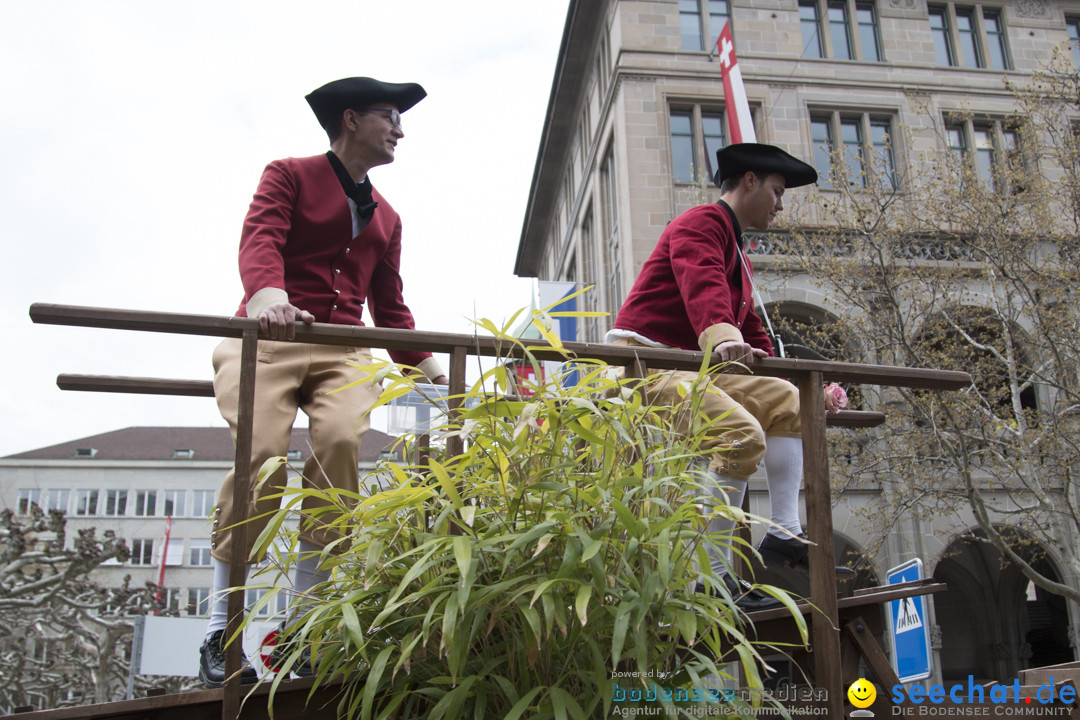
(284, 646)
(212, 662)
(747, 598)
(794, 552)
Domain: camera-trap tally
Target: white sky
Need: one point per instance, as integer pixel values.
(132, 136)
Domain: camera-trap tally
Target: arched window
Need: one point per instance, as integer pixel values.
(810, 333)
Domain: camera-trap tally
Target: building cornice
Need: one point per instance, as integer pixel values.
(584, 19)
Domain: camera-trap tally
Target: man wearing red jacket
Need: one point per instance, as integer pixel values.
(696, 292)
(318, 241)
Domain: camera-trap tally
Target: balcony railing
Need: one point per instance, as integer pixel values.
(810, 374)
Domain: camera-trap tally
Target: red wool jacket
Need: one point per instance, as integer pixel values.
(693, 292)
(297, 237)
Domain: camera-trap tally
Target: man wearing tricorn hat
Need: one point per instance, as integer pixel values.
(695, 292)
(318, 241)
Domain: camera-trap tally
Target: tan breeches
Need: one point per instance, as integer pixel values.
(291, 376)
(741, 409)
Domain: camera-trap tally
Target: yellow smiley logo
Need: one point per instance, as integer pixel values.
(862, 693)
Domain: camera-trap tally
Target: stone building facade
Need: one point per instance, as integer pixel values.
(635, 115)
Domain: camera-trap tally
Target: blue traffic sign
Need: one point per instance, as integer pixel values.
(909, 626)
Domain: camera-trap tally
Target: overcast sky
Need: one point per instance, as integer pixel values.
(133, 134)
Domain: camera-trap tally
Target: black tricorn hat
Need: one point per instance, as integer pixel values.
(743, 157)
(335, 97)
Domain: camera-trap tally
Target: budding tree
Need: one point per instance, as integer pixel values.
(64, 639)
(971, 263)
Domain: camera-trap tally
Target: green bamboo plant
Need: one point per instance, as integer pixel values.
(555, 568)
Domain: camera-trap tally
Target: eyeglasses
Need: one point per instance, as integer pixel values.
(391, 114)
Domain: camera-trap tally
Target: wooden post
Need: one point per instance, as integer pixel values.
(825, 632)
(458, 357)
(230, 705)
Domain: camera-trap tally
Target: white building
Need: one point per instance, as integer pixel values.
(136, 481)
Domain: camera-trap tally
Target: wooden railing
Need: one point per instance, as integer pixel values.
(810, 374)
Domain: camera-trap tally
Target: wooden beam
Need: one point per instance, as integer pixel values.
(389, 338)
(140, 385)
(205, 388)
(854, 418)
(825, 631)
(238, 555)
(458, 358)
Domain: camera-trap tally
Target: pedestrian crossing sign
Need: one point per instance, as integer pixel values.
(909, 626)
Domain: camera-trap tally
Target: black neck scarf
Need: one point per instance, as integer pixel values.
(359, 193)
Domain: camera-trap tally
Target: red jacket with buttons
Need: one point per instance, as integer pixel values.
(298, 237)
(694, 291)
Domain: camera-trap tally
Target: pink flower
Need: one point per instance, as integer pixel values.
(835, 398)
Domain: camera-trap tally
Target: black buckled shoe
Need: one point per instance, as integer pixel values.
(747, 598)
(793, 552)
(285, 646)
(212, 662)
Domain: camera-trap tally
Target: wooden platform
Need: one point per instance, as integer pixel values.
(291, 702)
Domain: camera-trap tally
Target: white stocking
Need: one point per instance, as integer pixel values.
(722, 556)
(219, 599)
(784, 466)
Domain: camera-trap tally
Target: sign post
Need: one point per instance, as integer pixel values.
(909, 626)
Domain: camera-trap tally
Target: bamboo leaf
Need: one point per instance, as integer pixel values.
(523, 704)
(352, 624)
(581, 603)
(463, 555)
(448, 486)
(562, 701)
(371, 687)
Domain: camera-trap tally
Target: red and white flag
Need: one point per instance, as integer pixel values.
(740, 124)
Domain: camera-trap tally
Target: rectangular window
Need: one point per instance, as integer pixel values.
(590, 301)
(145, 503)
(1072, 24)
(690, 24)
(115, 503)
(719, 15)
(821, 136)
(252, 596)
(967, 40)
(692, 160)
(174, 552)
(198, 602)
(170, 599)
(29, 498)
(142, 552)
(969, 36)
(808, 19)
(57, 500)
(996, 48)
(851, 137)
(839, 29)
(613, 293)
(861, 142)
(682, 147)
(983, 143)
(173, 502)
(202, 503)
(86, 502)
(701, 21)
(868, 33)
(939, 29)
(712, 131)
(990, 149)
(881, 142)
